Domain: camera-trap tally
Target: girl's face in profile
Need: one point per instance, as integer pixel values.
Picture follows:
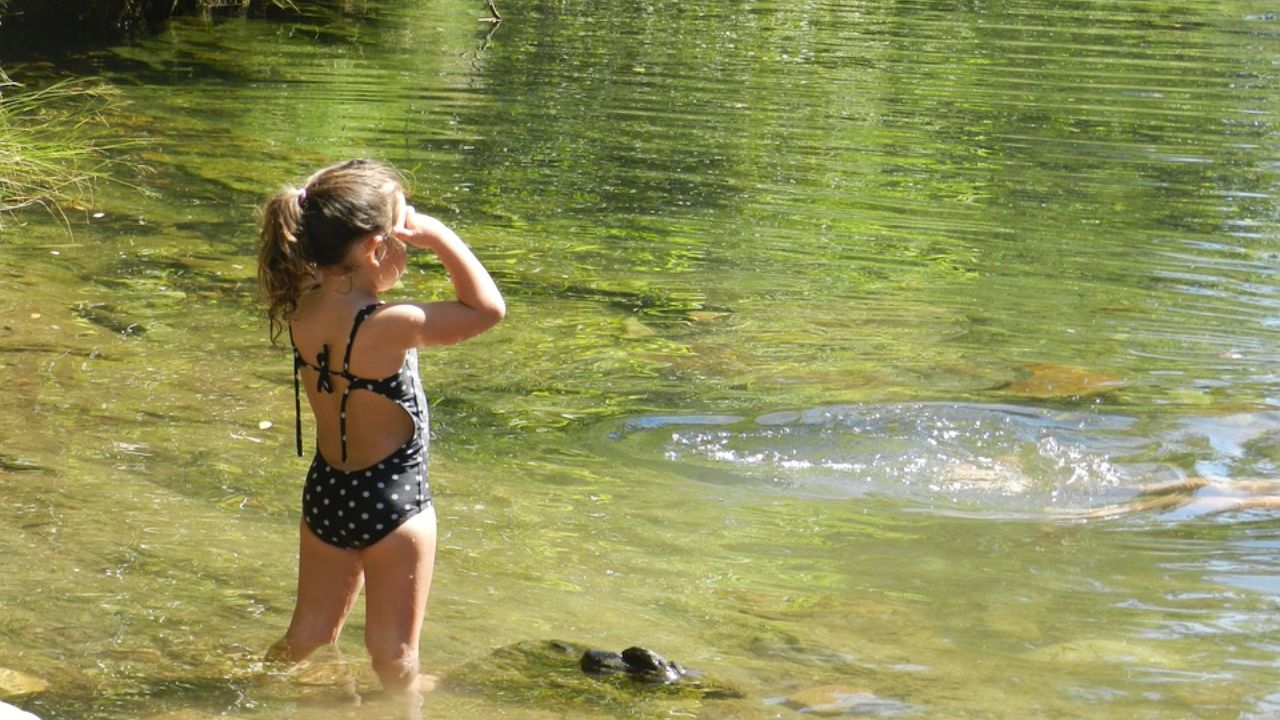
(401, 209)
(395, 253)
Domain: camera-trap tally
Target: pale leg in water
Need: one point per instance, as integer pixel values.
(398, 573)
(329, 579)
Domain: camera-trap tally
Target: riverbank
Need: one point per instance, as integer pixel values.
(56, 26)
(56, 146)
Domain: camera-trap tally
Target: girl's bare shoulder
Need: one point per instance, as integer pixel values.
(397, 324)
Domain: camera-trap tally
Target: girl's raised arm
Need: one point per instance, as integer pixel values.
(478, 305)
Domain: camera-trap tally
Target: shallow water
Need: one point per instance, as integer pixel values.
(843, 338)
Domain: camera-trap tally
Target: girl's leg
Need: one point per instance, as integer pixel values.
(329, 580)
(397, 572)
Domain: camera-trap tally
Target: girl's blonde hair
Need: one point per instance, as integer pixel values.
(313, 227)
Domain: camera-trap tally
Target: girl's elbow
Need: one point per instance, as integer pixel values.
(483, 318)
(496, 311)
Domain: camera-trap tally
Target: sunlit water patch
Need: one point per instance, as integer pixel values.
(985, 459)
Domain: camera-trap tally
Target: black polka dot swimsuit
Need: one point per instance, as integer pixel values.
(357, 508)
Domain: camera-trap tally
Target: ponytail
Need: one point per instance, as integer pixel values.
(283, 270)
(307, 229)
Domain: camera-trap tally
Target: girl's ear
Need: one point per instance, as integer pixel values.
(371, 249)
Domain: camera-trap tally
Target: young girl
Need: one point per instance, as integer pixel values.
(328, 250)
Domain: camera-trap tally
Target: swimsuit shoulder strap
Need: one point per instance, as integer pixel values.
(355, 326)
(346, 372)
(297, 392)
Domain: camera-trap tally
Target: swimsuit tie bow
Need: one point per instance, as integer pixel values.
(324, 383)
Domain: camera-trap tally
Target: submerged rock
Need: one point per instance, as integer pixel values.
(633, 328)
(109, 318)
(1092, 651)
(1045, 381)
(641, 664)
(16, 464)
(16, 684)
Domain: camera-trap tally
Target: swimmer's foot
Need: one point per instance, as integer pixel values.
(279, 653)
(426, 683)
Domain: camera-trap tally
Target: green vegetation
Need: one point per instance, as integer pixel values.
(42, 26)
(54, 144)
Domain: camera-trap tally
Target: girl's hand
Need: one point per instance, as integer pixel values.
(478, 304)
(421, 230)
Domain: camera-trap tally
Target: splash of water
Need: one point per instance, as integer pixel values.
(942, 456)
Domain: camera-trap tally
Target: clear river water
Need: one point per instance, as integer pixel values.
(918, 357)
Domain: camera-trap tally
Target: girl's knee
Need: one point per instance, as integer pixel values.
(397, 667)
(390, 650)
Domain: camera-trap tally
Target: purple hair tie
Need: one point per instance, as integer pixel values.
(302, 198)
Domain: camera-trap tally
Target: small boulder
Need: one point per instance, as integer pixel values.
(555, 672)
(601, 662)
(649, 666)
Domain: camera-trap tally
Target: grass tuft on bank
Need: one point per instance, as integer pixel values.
(55, 145)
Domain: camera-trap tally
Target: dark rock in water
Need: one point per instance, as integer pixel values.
(560, 674)
(650, 666)
(108, 317)
(640, 663)
(15, 464)
(601, 662)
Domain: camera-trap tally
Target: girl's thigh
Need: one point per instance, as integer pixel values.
(397, 573)
(329, 580)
